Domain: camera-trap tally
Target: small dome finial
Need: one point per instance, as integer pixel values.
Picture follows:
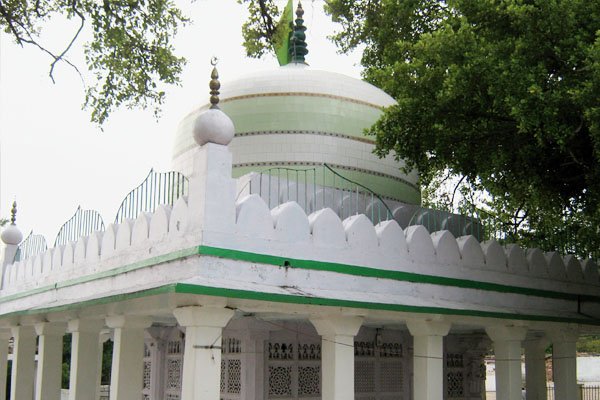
(215, 85)
(13, 213)
(12, 235)
(213, 125)
(298, 48)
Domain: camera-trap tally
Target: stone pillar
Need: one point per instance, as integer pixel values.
(85, 345)
(159, 336)
(564, 363)
(23, 365)
(202, 356)
(4, 338)
(507, 350)
(337, 354)
(128, 353)
(254, 364)
(49, 367)
(535, 367)
(428, 358)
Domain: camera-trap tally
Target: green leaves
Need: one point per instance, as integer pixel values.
(504, 93)
(130, 55)
(260, 32)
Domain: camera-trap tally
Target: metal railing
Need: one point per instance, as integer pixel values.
(82, 223)
(157, 188)
(585, 393)
(324, 187)
(317, 188)
(31, 247)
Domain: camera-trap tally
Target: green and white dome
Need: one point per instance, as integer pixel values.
(296, 116)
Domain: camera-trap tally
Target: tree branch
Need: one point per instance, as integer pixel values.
(9, 21)
(73, 39)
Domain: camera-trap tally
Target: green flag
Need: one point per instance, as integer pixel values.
(281, 41)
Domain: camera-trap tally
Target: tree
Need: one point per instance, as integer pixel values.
(130, 54)
(500, 94)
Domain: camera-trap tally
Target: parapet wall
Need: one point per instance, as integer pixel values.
(286, 231)
(210, 216)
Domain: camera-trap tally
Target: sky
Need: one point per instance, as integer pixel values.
(53, 159)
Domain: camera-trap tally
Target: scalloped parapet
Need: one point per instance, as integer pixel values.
(248, 225)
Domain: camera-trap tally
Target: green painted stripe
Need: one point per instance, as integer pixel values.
(320, 301)
(176, 255)
(386, 274)
(171, 288)
(309, 265)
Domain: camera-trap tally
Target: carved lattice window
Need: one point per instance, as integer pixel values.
(309, 381)
(173, 365)
(174, 347)
(280, 381)
(308, 351)
(455, 377)
(147, 370)
(378, 370)
(223, 376)
(364, 376)
(231, 368)
(147, 374)
(174, 373)
(281, 351)
(455, 382)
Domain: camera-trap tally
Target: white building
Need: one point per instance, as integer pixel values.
(232, 291)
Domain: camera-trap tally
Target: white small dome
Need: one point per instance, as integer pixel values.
(213, 126)
(12, 235)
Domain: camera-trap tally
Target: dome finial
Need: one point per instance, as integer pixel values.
(298, 48)
(13, 213)
(12, 235)
(213, 125)
(214, 85)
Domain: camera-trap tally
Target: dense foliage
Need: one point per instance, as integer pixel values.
(130, 54)
(502, 93)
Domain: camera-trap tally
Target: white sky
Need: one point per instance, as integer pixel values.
(53, 159)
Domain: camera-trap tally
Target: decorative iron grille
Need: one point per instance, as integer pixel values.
(82, 223)
(31, 247)
(158, 188)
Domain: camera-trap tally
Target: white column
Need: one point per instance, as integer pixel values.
(564, 363)
(254, 365)
(507, 350)
(535, 367)
(128, 356)
(4, 338)
(49, 367)
(202, 356)
(85, 345)
(158, 372)
(337, 354)
(428, 358)
(23, 365)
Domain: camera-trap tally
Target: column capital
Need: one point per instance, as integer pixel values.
(563, 334)
(503, 333)
(536, 340)
(128, 321)
(215, 317)
(50, 328)
(420, 327)
(85, 325)
(328, 325)
(22, 330)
